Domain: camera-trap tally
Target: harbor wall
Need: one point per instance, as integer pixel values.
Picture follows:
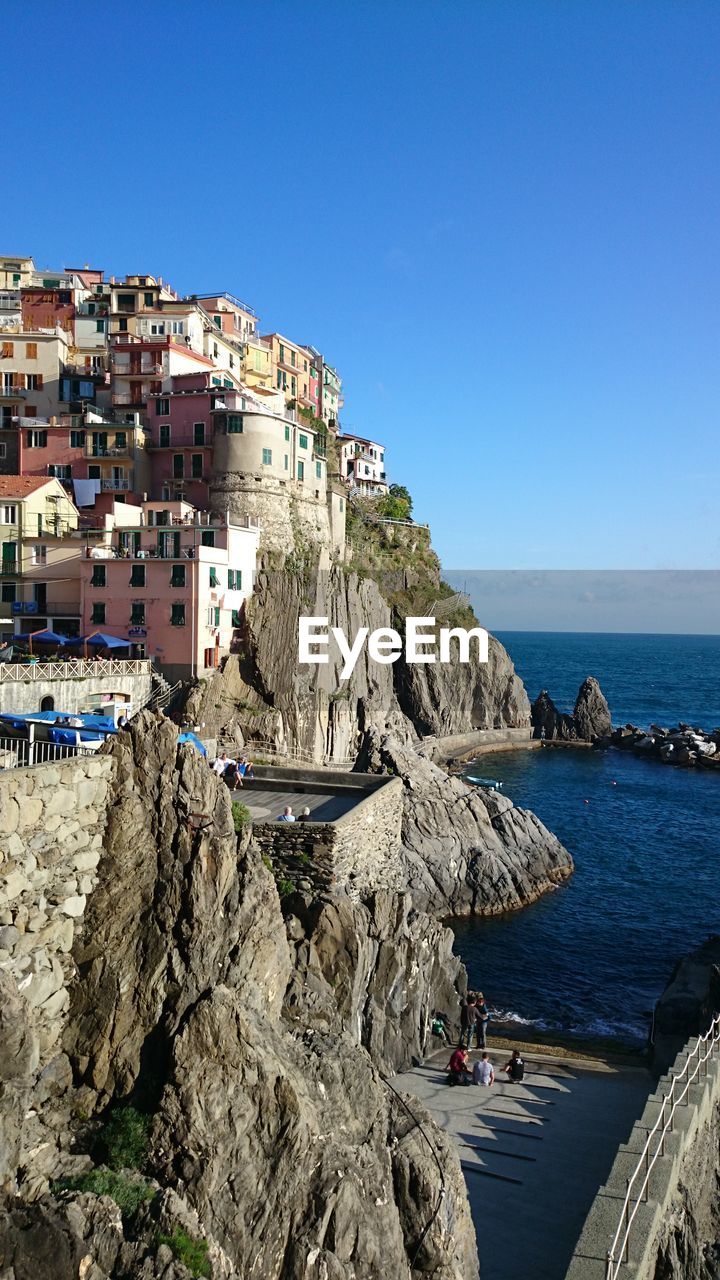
(74, 695)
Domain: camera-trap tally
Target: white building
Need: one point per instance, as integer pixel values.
(362, 465)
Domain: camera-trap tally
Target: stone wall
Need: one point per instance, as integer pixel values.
(52, 820)
(358, 853)
(71, 695)
(477, 741)
(285, 513)
(679, 1220)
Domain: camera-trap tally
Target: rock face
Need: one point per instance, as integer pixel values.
(273, 1136)
(688, 1003)
(589, 721)
(265, 696)
(465, 850)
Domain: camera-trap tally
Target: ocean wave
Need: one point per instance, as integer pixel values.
(503, 1015)
(592, 1029)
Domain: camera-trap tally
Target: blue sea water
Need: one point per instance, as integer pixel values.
(593, 957)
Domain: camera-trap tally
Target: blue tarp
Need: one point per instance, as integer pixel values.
(194, 740)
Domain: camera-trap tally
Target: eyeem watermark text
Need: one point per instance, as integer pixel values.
(420, 644)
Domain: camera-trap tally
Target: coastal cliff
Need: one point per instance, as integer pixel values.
(248, 1050)
(263, 695)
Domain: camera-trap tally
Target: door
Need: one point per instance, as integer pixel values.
(9, 557)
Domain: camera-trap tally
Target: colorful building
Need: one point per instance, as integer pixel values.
(39, 558)
(291, 365)
(31, 367)
(362, 465)
(172, 581)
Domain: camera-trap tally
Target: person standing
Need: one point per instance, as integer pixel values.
(482, 1017)
(467, 1021)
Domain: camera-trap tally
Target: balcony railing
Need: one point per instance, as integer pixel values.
(96, 451)
(117, 486)
(9, 568)
(12, 393)
(181, 440)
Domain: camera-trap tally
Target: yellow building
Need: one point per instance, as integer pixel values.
(16, 273)
(293, 372)
(39, 558)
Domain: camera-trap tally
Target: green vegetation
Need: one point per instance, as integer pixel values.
(191, 1252)
(396, 503)
(241, 815)
(267, 861)
(285, 887)
(128, 1192)
(125, 1139)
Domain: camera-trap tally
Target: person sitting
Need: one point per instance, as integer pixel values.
(515, 1067)
(245, 769)
(231, 777)
(458, 1069)
(287, 814)
(484, 1072)
(438, 1027)
(219, 765)
(305, 815)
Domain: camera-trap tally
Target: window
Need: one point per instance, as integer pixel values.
(34, 382)
(38, 553)
(137, 575)
(164, 434)
(177, 326)
(177, 615)
(157, 328)
(9, 592)
(97, 615)
(218, 322)
(31, 350)
(7, 349)
(287, 433)
(293, 385)
(286, 463)
(37, 439)
(282, 354)
(177, 577)
(234, 579)
(207, 538)
(77, 439)
(235, 618)
(162, 407)
(214, 580)
(198, 432)
(267, 457)
(137, 613)
(196, 466)
(303, 442)
(61, 470)
(122, 326)
(301, 470)
(149, 299)
(292, 359)
(126, 302)
(91, 309)
(99, 326)
(94, 472)
(215, 352)
(178, 466)
(121, 440)
(235, 424)
(216, 617)
(318, 470)
(227, 383)
(304, 366)
(99, 576)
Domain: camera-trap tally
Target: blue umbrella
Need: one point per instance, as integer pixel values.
(46, 637)
(100, 640)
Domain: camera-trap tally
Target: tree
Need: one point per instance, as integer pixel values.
(399, 491)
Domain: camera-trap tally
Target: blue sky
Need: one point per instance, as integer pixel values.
(498, 219)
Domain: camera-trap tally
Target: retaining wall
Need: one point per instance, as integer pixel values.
(356, 853)
(477, 741)
(52, 822)
(71, 695)
(670, 1228)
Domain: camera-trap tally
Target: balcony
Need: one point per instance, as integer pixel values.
(9, 568)
(97, 451)
(129, 400)
(12, 393)
(181, 440)
(117, 486)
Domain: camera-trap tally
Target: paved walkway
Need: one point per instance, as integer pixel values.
(265, 803)
(534, 1154)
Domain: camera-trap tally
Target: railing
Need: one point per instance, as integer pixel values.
(289, 755)
(72, 669)
(9, 568)
(21, 753)
(117, 486)
(617, 1254)
(182, 440)
(441, 608)
(96, 451)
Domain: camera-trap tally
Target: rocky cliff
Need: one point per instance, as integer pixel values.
(249, 1051)
(263, 695)
(589, 722)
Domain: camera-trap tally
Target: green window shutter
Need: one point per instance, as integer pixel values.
(267, 457)
(98, 614)
(287, 433)
(207, 538)
(235, 424)
(303, 442)
(301, 470)
(287, 463)
(214, 580)
(217, 617)
(177, 576)
(177, 615)
(318, 470)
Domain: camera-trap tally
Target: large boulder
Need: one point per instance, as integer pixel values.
(592, 714)
(549, 723)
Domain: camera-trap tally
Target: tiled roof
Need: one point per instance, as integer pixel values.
(21, 486)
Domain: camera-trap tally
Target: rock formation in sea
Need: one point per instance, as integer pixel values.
(689, 1002)
(590, 719)
(252, 1046)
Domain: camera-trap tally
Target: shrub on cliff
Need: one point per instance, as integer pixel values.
(241, 815)
(129, 1193)
(192, 1253)
(124, 1140)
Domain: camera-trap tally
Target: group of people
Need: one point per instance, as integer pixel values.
(287, 815)
(474, 1019)
(233, 772)
(482, 1072)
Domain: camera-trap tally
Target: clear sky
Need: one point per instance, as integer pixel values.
(498, 219)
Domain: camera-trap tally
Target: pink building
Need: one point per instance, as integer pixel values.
(172, 581)
(181, 434)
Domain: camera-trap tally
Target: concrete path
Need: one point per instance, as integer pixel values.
(534, 1154)
(266, 803)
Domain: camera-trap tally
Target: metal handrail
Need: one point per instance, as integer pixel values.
(617, 1254)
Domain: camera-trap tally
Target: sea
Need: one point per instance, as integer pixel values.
(591, 958)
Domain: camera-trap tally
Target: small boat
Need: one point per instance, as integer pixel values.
(491, 783)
